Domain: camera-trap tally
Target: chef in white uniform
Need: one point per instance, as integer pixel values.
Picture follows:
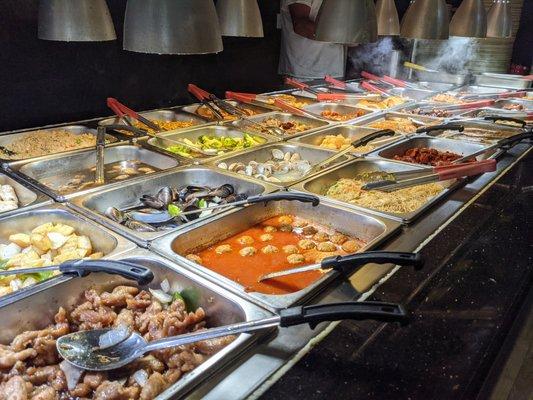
(301, 55)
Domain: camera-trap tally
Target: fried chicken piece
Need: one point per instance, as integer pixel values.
(125, 318)
(14, 389)
(44, 393)
(139, 302)
(98, 317)
(41, 375)
(119, 296)
(9, 358)
(154, 386)
(115, 391)
(149, 363)
(172, 375)
(46, 349)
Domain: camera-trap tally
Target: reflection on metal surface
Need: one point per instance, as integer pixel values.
(172, 27)
(499, 22)
(469, 20)
(347, 22)
(75, 21)
(426, 19)
(387, 18)
(240, 18)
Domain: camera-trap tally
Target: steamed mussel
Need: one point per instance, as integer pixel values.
(157, 207)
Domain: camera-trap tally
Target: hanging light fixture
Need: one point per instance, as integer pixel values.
(470, 20)
(172, 27)
(347, 22)
(499, 22)
(240, 18)
(75, 21)
(426, 19)
(387, 18)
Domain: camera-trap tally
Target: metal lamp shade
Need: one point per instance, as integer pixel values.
(470, 20)
(426, 19)
(240, 18)
(499, 22)
(75, 21)
(347, 22)
(387, 18)
(172, 27)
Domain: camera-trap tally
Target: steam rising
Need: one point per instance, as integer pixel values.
(372, 57)
(453, 55)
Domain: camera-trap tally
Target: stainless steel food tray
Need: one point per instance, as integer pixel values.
(480, 124)
(160, 145)
(300, 96)
(372, 229)
(413, 94)
(408, 109)
(93, 205)
(352, 102)
(454, 146)
(506, 81)
(314, 123)
(192, 109)
(319, 184)
(161, 115)
(318, 108)
(436, 86)
(35, 171)
(7, 137)
(264, 153)
(442, 77)
(392, 115)
(28, 198)
(350, 132)
(222, 307)
(474, 89)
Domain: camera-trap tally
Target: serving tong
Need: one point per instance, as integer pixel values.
(122, 111)
(252, 99)
(405, 179)
(81, 268)
(236, 111)
(84, 349)
(504, 95)
(356, 143)
(500, 144)
(346, 86)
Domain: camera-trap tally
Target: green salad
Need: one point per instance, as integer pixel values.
(222, 144)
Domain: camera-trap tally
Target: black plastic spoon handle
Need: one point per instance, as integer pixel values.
(374, 135)
(313, 315)
(449, 127)
(125, 269)
(289, 196)
(347, 264)
(495, 118)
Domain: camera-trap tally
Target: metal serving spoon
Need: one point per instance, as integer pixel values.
(82, 349)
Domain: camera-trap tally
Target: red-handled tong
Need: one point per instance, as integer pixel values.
(204, 98)
(442, 173)
(300, 85)
(371, 88)
(251, 98)
(121, 110)
(504, 95)
(464, 106)
(294, 110)
(348, 86)
(399, 82)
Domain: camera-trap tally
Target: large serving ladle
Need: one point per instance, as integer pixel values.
(83, 349)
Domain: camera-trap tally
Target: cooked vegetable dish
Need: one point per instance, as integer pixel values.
(47, 244)
(290, 127)
(279, 243)
(446, 98)
(30, 367)
(222, 144)
(206, 112)
(339, 142)
(42, 143)
(383, 104)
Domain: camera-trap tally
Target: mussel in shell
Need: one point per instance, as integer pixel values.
(139, 226)
(116, 215)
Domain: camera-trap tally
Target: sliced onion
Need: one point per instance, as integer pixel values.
(113, 337)
(161, 296)
(165, 286)
(141, 377)
(29, 282)
(72, 373)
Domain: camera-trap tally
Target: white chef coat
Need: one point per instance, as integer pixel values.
(305, 58)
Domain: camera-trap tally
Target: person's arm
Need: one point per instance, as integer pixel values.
(301, 23)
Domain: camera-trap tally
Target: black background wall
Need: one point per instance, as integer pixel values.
(43, 82)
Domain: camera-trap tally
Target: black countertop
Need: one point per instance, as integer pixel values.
(477, 274)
